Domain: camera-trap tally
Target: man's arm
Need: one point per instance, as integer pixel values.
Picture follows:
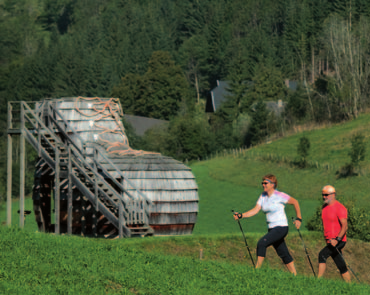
(343, 230)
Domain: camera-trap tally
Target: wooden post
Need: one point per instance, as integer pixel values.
(70, 194)
(57, 190)
(96, 193)
(21, 170)
(9, 170)
(120, 219)
(83, 216)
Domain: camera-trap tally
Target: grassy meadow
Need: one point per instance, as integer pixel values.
(214, 260)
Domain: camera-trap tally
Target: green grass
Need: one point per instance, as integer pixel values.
(29, 222)
(328, 145)
(37, 263)
(219, 197)
(47, 264)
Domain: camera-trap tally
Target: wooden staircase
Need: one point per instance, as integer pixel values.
(50, 135)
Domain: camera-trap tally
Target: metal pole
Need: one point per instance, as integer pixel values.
(348, 265)
(308, 255)
(245, 240)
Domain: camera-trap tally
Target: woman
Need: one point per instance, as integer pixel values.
(272, 202)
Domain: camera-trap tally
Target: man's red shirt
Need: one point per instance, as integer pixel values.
(330, 215)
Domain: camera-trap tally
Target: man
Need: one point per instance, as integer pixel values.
(334, 220)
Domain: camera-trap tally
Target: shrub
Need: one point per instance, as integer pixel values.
(358, 222)
(302, 151)
(357, 154)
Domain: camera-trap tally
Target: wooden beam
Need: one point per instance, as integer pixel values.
(21, 170)
(57, 190)
(70, 193)
(9, 169)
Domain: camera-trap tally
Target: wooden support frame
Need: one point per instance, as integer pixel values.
(39, 124)
(9, 169)
(22, 169)
(70, 194)
(57, 190)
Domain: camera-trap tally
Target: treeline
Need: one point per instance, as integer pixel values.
(163, 57)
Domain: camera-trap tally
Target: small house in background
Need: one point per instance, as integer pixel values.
(220, 93)
(292, 85)
(217, 96)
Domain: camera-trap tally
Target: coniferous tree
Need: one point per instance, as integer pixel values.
(258, 129)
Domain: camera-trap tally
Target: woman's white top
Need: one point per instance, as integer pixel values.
(274, 208)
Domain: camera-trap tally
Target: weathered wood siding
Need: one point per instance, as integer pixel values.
(167, 182)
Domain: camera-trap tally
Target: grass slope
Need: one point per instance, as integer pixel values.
(39, 263)
(36, 263)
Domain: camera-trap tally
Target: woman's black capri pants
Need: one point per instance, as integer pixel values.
(275, 237)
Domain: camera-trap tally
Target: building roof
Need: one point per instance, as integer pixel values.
(142, 124)
(219, 94)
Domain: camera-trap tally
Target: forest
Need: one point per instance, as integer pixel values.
(162, 58)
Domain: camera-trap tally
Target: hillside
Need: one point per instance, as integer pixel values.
(36, 263)
(329, 150)
(172, 265)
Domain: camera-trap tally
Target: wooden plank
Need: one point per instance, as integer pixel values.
(70, 194)
(22, 170)
(57, 191)
(9, 182)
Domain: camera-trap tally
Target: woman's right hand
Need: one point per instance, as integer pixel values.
(237, 215)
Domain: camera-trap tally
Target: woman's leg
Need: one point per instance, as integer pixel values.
(283, 252)
(259, 261)
(274, 235)
(291, 268)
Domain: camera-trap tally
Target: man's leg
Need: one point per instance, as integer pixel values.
(340, 263)
(323, 256)
(322, 268)
(346, 277)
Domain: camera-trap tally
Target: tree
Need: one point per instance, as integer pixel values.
(268, 85)
(358, 149)
(296, 109)
(348, 52)
(158, 93)
(357, 155)
(258, 128)
(302, 151)
(189, 139)
(193, 55)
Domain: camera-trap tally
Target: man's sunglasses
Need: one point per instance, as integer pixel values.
(325, 195)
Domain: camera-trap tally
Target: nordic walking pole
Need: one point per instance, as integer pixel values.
(245, 240)
(305, 248)
(347, 264)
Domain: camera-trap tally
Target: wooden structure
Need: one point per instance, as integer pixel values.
(99, 185)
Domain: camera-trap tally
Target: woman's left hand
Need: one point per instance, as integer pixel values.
(297, 224)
